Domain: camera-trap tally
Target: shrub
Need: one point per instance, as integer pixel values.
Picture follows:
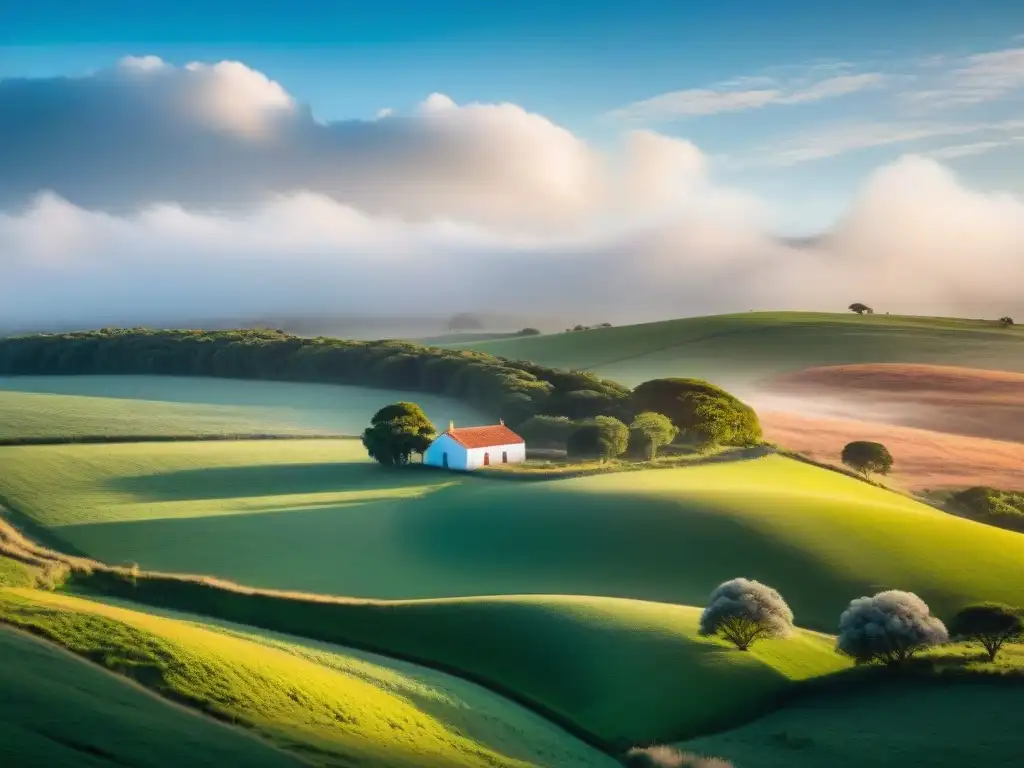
(991, 505)
(867, 457)
(1005, 322)
(744, 611)
(528, 332)
(861, 309)
(667, 757)
(991, 624)
(652, 430)
(889, 628)
(703, 412)
(604, 438)
(396, 432)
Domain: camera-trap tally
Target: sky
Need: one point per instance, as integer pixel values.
(695, 135)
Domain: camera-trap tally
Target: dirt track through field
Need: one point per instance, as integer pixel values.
(946, 427)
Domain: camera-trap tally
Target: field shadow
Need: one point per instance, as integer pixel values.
(269, 480)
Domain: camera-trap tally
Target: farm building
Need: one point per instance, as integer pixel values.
(472, 447)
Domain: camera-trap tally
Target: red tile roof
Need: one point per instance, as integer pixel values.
(484, 437)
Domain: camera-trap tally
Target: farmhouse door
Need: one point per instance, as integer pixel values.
(504, 457)
(487, 459)
(444, 460)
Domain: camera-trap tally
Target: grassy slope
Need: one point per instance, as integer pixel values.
(298, 520)
(745, 347)
(331, 709)
(57, 711)
(34, 406)
(899, 724)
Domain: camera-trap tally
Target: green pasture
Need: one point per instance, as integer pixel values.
(742, 348)
(72, 406)
(57, 711)
(896, 724)
(317, 516)
(324, 706)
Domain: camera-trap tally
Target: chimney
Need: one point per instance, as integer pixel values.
(451, 424)
(501, 422)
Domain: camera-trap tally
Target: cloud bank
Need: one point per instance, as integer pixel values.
(151, 193)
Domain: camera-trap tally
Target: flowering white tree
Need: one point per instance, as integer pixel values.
(743, 611)
(889, 627)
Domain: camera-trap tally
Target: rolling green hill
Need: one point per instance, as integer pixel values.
(58, 711)
(740, 349)
(899, 724)
(73, 406)
(317, 516)
(329, 708)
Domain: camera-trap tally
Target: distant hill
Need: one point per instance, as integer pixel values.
(741, 349)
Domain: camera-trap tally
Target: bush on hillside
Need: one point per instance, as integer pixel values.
(861, 309)
(511, 389)
(743, 611)
(866, 457)
(1006, 322)
(703, 412)
(603, 439)
(889, 628)
(991, 505)
(547, 431)
(668, 757)
(528, 332)
(396, 432)
(990, 624)
(651, 431)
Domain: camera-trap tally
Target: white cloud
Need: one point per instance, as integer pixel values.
(453, 207)
(737, 95)
(971, 149)
(385, 112)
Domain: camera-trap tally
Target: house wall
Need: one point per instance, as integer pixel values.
(434, 455)
(516, 454)
(460, 457)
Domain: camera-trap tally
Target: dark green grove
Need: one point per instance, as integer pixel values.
(511, 389)
(515, 390)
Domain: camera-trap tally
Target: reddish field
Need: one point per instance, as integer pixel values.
(946, 427)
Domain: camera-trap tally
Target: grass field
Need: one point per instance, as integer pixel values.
(901, 724)
(331, 708)
(743, 348)
(71, 406)
(57, 710)
(316, 516)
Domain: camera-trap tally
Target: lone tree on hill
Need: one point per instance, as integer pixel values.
(991, 624)
(396, 432)
(744, 611)
(703, 413)
(1006, 322)
(889, 628)
(861, 309)
(603, 439)
(867, 457)
(653, 430)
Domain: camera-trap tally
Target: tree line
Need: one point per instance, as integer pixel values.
(513, 389)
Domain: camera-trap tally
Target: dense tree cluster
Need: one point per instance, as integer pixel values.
(511, 389)
(702, 412)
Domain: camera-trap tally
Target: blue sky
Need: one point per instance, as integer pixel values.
(797, 101)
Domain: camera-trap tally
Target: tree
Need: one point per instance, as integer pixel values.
(547, 431)
(861, 309)
(1005, 322)
(653, 430)
(743, 611)
(703, 412)
(528, 332)
(867, 457)
(991, 624)
(669, 757)
(604, 438)
(889, 628)
(396, 432)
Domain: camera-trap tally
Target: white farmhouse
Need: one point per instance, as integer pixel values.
(472, 447)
